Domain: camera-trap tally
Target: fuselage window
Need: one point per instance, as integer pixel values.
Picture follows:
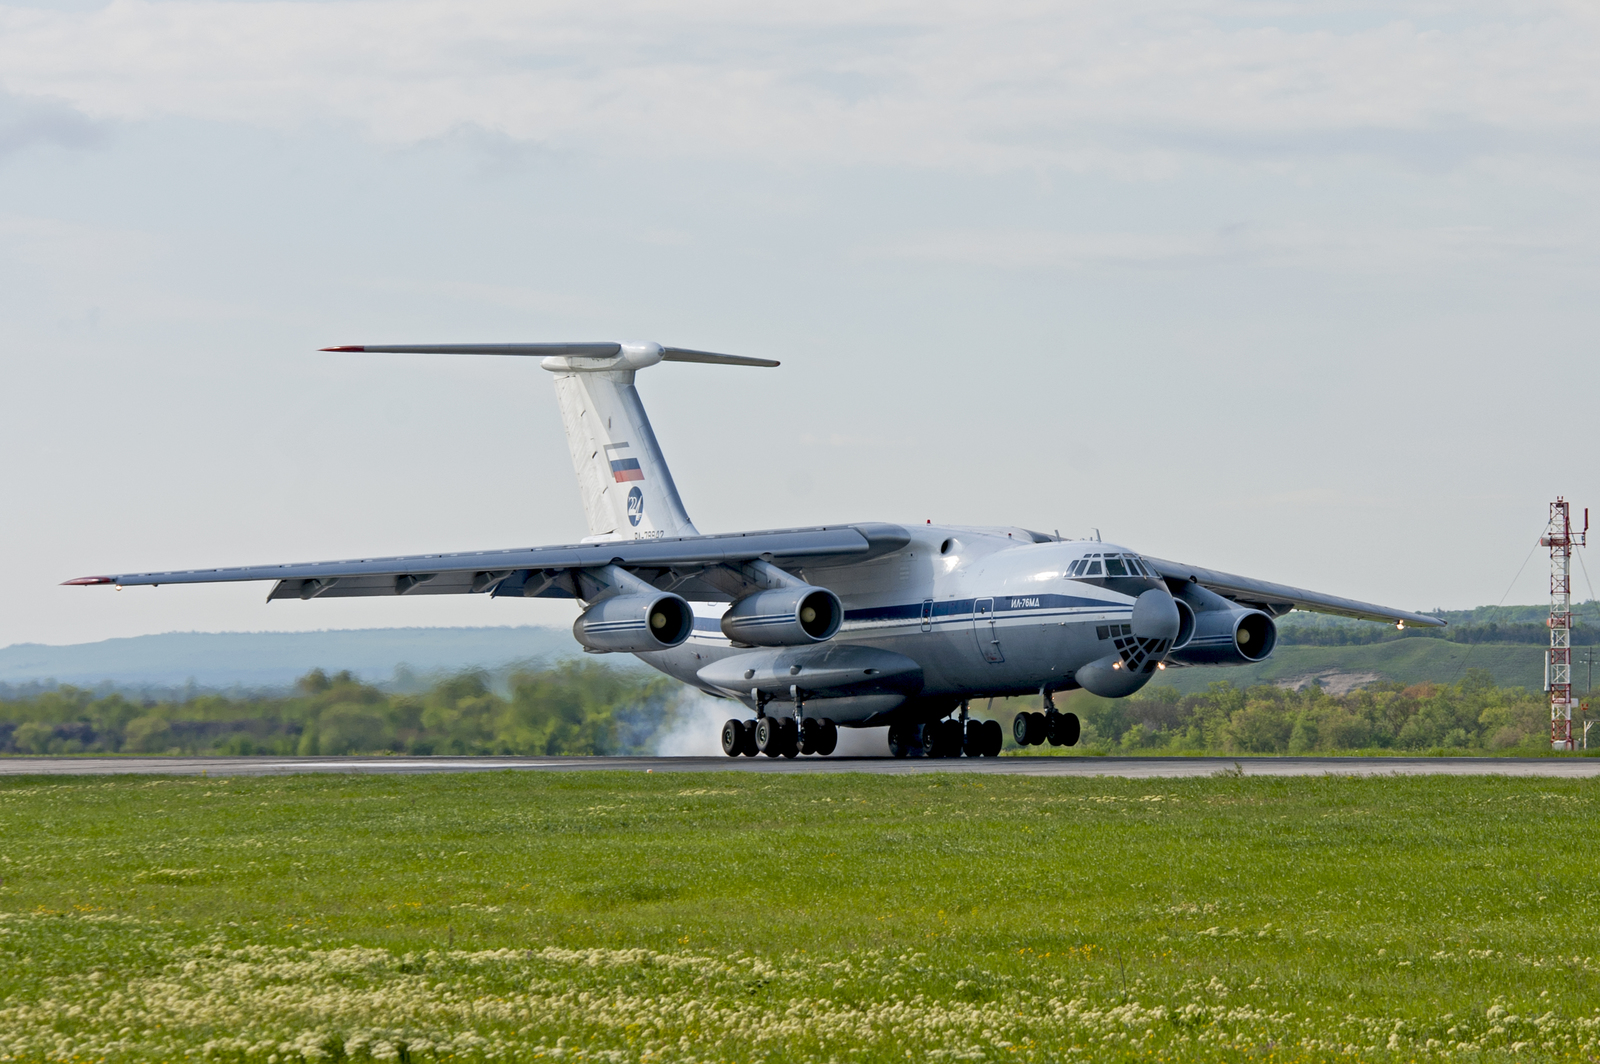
(1114, 567)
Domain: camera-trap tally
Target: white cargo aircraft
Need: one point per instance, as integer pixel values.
(814, 629)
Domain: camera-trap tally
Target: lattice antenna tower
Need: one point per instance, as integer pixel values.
(1561, 539)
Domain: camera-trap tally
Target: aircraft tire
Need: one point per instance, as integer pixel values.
(733, 738)
(974, 739)
(994, 738)
(902, 740)
(1071, 729)
(830, 738)
(954, 741)
(810, 736)
(1019, 729)
(769, 736)
(791, 738)
(1036, 729)
(748, 749)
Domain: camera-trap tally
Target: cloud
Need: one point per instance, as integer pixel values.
(1370, 251)
(30, 121)
(1099, 85)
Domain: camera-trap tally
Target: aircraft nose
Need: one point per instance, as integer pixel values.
(1155, 616)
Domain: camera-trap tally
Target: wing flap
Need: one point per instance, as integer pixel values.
(1278, 599)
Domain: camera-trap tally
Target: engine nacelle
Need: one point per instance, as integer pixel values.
(635, 624)
(1228, 637)
(784, 617)
(1185, 624)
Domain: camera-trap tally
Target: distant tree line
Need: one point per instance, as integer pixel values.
(1471, 716)
(1361, 634)
(579, 707)
(584, 707)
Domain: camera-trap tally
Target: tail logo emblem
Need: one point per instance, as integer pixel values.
(635, 504)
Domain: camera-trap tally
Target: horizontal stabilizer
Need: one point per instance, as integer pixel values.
(577, 350)
(683, 354)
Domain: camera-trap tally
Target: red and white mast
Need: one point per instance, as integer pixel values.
(1561, 539)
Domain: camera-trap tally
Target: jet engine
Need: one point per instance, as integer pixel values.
(784, 617)
(1228, 637)
(635, 624)
(1157, 622)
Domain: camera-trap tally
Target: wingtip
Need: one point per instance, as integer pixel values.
(87, 581)
(346, 347)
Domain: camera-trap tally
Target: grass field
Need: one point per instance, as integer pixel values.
(677, 917)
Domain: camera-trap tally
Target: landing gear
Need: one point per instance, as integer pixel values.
(779, 737)
(942, 738)
(770, 736)
(733, 738)
(953, 737)
(903, 739)
(1064, 729)
(811, 731)
(1029, 729)
(983, 738)
(1058, 729)
(829, 739)
(791, 737)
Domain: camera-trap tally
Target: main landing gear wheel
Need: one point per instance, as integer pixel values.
(829, 738)
(994, 738)
(974, 741)
(811, 736)
(791, 738)
(769, 736)
(952, 740)
(902, 739)
(1028, 729)
(749, 747)
(1065, 729)
(733, 738)
(984, 738)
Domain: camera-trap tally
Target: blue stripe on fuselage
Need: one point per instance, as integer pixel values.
(952, 609)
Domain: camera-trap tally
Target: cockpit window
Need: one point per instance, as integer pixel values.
(1092, 569)
(1114, 567)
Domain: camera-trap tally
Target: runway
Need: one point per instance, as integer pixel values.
(1128, 767)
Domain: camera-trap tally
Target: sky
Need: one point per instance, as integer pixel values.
(1303, 291)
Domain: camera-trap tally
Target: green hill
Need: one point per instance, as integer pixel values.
(1407, 661)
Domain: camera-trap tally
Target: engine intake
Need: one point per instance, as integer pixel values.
(635, 624)
(784, 617)
(1228, 637)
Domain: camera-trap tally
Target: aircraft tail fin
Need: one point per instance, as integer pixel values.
(627, 489)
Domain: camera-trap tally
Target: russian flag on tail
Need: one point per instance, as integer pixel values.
(626, 469)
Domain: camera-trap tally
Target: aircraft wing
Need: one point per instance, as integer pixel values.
(1278, 599)
(542, 572)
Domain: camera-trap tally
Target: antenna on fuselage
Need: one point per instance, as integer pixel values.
(1097, 535)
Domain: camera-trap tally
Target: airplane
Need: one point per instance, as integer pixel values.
(839, 626)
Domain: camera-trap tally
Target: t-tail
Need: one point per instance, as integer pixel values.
(623, 478)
